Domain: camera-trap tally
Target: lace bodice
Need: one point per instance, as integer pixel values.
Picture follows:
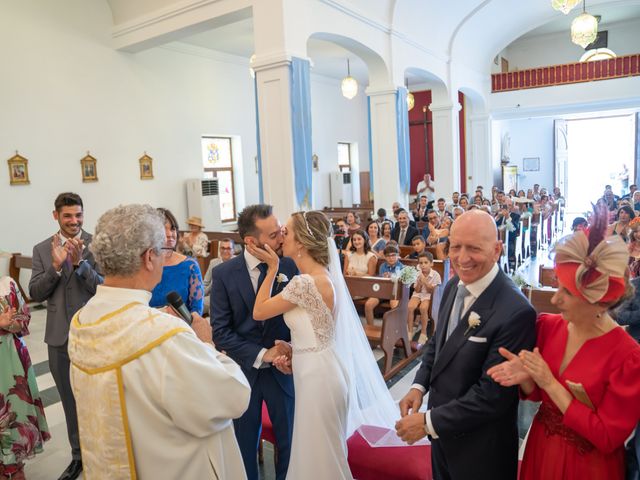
(303, 292)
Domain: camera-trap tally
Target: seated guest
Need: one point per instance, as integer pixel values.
(419, 244)
(420, 213)
(477, 201)
(382, 216)
(464, 202)
(635, 199)
(403, 231)
(353, 222)
(375, 239)
(584, 369)
(433, 232)
(23, 426)
(445, 226)
(181, 274)
(360, 261)
(628, 314)
(386, 228)
(579, 223)
(455, 198)
(155, 399)
(634, 247)
(440, 209)
(428, 279)
(621, 226)
(457, 212)
(390, 267)
(195, 243)
(225, 253)
(341, 235)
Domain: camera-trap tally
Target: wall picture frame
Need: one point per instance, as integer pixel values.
(531, 164)
(146, 167)
(18, 170)
(89, 166)
(314, 162)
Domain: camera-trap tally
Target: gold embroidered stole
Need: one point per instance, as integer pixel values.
(98, 351)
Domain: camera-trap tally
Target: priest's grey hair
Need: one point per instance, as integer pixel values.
(123, 234)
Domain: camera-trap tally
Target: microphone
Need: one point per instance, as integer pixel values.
(175, 301)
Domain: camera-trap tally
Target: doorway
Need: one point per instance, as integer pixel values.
(601, 151)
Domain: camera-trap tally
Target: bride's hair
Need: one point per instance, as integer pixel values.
(311, 229)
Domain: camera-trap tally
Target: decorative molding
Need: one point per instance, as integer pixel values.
(466, 18)
(162, 15)
(567, 74)
(445, 107)
(203, 52)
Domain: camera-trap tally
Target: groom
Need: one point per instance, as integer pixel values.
(254, 345)
(471, 420)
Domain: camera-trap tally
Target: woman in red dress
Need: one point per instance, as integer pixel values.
(585, 368)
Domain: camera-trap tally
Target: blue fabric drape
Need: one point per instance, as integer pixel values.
(301, 130)
(259, 155)
(370, 149)
(402, 121)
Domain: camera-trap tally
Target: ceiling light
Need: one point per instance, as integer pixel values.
(411, 101)
(349, 85)
(596, 54)
(584, 28)
(564, 6)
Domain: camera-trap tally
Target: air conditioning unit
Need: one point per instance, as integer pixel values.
(203, 200)
(341, 189)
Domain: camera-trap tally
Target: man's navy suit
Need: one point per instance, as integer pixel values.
(242, 338)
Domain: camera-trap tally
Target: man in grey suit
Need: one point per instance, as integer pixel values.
(64, 274)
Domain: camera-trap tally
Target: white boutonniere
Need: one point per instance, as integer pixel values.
(282, 278)
(474, 321)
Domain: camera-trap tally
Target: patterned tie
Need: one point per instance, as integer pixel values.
(403, 233)
(456, 311)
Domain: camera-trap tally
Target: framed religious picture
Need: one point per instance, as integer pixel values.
(18, 170)
(146, 167)
(89, 168)
(314, 160)
(531, 164)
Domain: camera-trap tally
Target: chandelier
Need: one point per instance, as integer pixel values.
(349, 85)
(564, 6)
(596, 54)
(584, 28)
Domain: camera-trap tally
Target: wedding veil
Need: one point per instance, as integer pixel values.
(370, 402)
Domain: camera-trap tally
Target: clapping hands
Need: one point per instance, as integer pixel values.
(72, 249)
(522, 369)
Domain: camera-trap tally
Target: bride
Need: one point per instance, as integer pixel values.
(337, 381)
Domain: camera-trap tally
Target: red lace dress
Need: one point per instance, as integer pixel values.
(584, 443)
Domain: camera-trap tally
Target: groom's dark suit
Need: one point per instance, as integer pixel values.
(242, 338)
(474, 417)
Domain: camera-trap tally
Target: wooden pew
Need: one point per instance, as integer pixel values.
(503, 261)
(526, 239)
(536, 233)
(519, 260)
(547, 277)
(337, 213)
(405, 250)
(540, 298)
(17, 263)
(394, 321)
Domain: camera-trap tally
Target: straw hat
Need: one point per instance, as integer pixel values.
(197, 221)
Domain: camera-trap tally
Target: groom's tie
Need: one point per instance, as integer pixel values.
(263, 267)
(456, 311)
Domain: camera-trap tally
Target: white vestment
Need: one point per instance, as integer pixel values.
(153, 401)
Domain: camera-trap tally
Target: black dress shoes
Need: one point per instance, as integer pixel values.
(73, 471)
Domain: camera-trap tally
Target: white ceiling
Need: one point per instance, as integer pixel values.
(609, 14)
(328, 59)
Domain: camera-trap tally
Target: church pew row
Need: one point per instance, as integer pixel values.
(540, 298)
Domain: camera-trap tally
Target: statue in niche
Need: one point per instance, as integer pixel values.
(505, 154)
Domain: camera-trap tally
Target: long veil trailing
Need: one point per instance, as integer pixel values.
(370, 402)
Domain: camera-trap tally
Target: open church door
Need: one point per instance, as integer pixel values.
(561, 144)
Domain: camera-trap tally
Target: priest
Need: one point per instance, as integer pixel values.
(155, 399)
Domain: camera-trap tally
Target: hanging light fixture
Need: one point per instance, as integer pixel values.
(584, 28)
(411, 101)
(252, 60)
(349, 85)
(564, 6)
(596, 54)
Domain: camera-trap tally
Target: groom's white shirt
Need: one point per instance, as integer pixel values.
(254, 274)
(475, 290)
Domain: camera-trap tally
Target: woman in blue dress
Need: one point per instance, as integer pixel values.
(180, 273)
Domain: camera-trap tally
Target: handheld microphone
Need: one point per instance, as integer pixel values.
(175, 301)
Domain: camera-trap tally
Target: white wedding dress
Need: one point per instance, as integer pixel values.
(319, 448)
